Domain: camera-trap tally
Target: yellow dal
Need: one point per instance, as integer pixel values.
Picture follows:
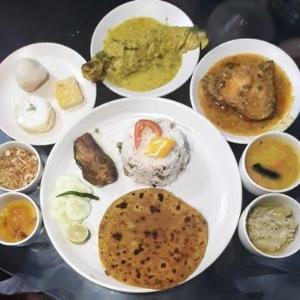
(277, 155)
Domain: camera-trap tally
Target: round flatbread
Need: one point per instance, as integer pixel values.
(150, 238)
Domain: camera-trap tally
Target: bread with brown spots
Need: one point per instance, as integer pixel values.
(150, 238)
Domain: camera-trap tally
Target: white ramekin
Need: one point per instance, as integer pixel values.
(33, 184)
(248, 182)
(277, 199)
(10, 196)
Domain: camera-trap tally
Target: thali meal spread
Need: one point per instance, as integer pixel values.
(273, 163)
(152, 239)
(245, 94)
(17, 220)
(18, 167)
(142, 54)
(271, 228)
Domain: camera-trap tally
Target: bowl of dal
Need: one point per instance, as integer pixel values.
(125, 22)
(271, 163)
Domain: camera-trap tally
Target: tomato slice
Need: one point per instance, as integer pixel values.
(139, 128)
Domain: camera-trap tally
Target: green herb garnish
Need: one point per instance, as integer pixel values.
(79, 194)
(119, 146)
(31, 107)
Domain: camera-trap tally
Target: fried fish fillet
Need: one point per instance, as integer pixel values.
(249, 89)
(97, 167)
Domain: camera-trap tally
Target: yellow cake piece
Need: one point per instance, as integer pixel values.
(68, 93)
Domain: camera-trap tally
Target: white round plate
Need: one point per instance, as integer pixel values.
(211, 182)
(252, 46)
(161, 11)
(61, 62)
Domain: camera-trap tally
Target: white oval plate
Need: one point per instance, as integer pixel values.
(211, 183)
(61, 62)
(254, 46)
(161, 11)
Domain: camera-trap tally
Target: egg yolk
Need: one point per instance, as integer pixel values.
(160, 147)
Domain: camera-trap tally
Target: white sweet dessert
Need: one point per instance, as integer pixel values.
(35, 115)
(30, 74)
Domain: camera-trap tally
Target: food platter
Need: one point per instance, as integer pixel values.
(211, 182)
(161, 11)
(142, 194)
(60, 61)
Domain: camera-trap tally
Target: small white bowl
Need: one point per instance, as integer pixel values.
(249, 46)
(161, 11)
(248, 182)
(277, 199)
(7, 197)
(33, 184)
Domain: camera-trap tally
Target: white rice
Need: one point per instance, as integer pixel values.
(155, 171)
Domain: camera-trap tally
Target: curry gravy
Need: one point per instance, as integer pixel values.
(150, 57)
(228, 120)
(17, 220)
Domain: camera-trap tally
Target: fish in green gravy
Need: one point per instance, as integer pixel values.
(142, 54)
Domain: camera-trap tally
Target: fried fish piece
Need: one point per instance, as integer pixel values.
(97, 167)
(249, 89)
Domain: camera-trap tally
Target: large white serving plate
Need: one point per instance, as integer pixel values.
(211, 182)
(162, 11)
(61, 62)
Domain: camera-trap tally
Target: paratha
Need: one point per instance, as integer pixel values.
(150, 238)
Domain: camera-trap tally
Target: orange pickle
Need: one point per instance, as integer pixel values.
(17, 220)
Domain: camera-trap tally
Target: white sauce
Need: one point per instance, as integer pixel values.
(34, 114)
(270, 228)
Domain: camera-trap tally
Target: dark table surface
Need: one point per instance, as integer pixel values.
(236, 274)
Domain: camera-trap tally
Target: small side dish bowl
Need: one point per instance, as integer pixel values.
(257, 47)
(32, 185)
(161, 11)
(6, 199)
(256, 188)
(276, 200)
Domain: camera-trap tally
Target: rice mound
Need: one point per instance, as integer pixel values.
(155, 171)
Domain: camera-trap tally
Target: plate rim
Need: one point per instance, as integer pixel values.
(45, 44)
(128, 100)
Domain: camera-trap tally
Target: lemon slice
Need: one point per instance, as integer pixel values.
(77, 233)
